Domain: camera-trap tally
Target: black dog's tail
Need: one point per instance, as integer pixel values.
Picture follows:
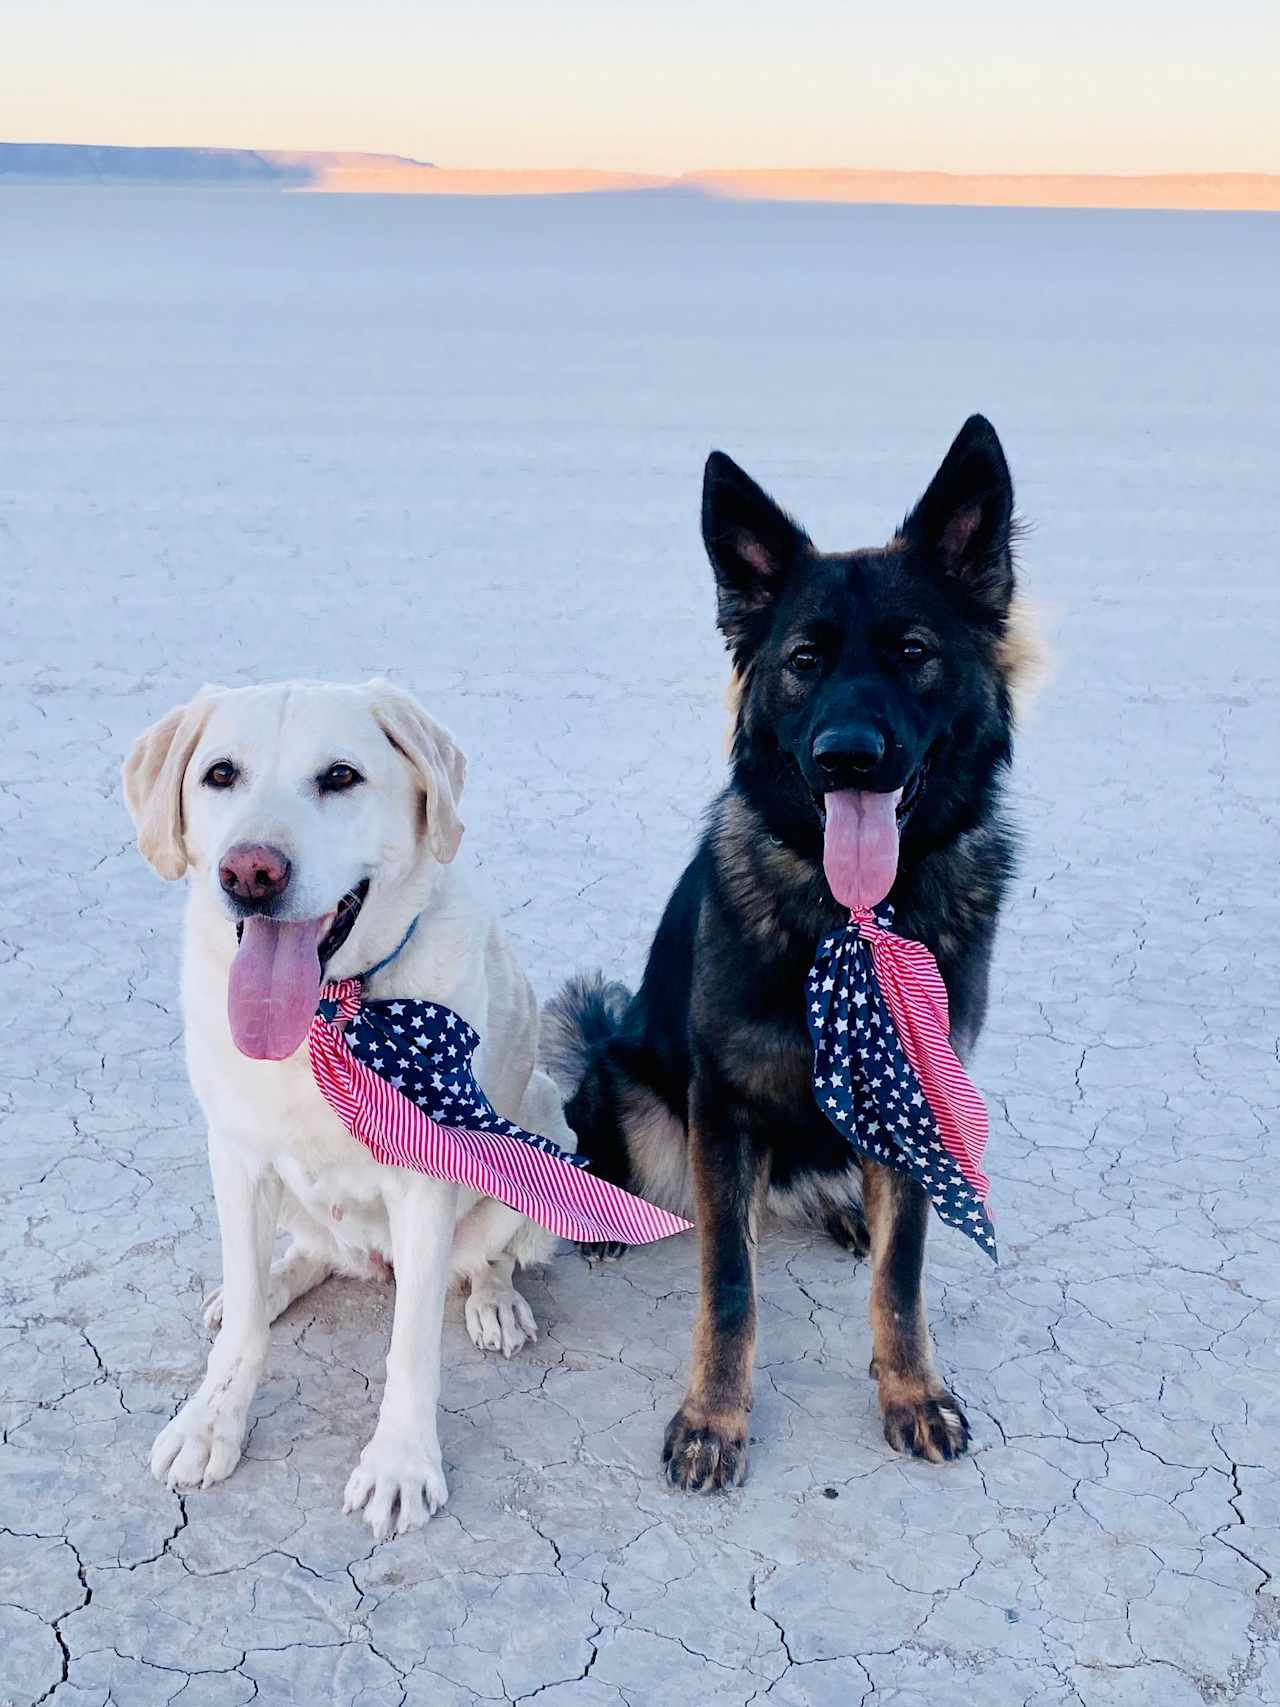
(578, 1030)
(576, 1026)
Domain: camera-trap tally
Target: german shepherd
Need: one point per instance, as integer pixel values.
(873, 734)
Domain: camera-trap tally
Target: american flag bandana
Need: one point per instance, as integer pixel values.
(398, 1075)
(884, 1072)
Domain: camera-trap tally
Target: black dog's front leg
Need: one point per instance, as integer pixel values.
(920, 1415)
(706, 1443)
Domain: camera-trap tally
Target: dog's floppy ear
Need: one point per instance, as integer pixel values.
(153, 775)
(435, 756)
(965, 522)
(752, 544)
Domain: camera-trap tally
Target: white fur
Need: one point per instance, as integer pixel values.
(277, 1153)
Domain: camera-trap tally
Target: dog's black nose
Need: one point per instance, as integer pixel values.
(848, 755)
(254, 872)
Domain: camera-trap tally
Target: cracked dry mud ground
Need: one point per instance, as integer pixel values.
(278, 437)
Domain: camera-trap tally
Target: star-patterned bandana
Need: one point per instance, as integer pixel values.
(884, 1072)
(398, 1075)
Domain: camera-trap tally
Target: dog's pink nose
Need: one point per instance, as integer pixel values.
(254, 872)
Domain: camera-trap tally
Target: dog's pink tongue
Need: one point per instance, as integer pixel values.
(274, 986)
(860, 855)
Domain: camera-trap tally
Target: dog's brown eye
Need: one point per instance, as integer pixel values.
(805, 658)
(337, 778)
(913, 651)
(222, 775)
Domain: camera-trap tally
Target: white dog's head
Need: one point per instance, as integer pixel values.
(293, 803)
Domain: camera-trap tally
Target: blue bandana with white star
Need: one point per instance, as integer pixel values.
(874, 998)
(425, 1050)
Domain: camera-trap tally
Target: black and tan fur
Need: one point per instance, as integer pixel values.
(903, 661)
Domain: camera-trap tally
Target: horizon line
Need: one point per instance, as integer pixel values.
(368, 171)
(287, 152)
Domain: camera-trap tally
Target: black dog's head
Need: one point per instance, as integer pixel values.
(875, 672)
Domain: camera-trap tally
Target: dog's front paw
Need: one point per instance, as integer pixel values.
(398, 1485)
(199, 1447)
(706, 1450)
(848, 1227)
(931, 1426)
(498, 1318)
(278, 1301)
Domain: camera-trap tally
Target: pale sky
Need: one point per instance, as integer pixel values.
(663, 85)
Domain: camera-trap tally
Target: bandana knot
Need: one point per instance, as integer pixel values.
(870, 929)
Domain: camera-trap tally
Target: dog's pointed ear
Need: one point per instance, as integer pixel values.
(436, 759)
(153, 775)
(965, 522)
(753, 546)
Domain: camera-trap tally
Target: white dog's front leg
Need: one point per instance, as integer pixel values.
(399, 1481)
(202, 1444)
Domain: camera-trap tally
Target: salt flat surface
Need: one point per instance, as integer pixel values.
(244, 438)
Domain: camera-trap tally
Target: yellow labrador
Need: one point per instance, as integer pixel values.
(314, 824)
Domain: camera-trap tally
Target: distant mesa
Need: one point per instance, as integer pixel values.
(284, 169)
(393, 174)
(231, 168)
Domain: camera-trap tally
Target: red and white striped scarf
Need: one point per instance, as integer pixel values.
(427, 1048)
